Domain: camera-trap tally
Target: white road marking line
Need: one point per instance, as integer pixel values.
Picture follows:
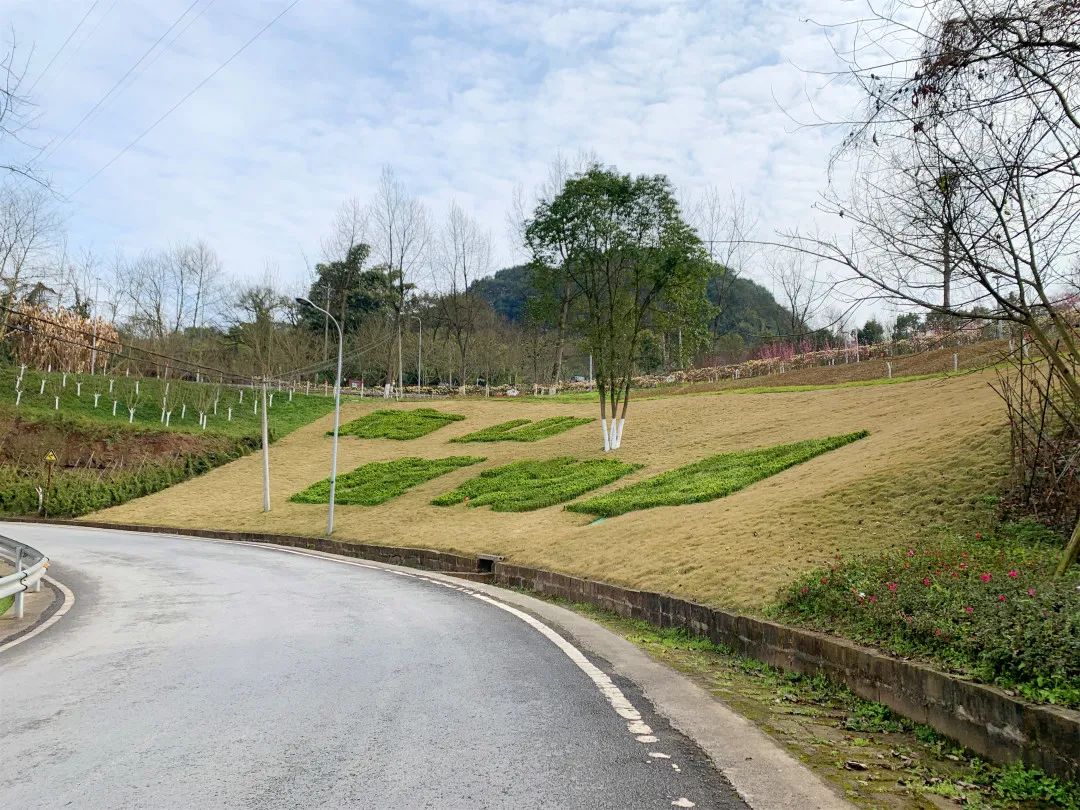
(683, 802)
(622, 706)
(69, 600)
(658, 755)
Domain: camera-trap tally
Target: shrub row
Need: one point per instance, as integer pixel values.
(379, 481)
(533, 484)
(76, 492)
(524, 430)
(710, 478)
(400, 425)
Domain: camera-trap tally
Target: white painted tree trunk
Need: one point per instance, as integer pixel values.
(241, 396)
(57, 405)
(18, 398)
(115, 403)
(42, 391)
(607, 436)
(230, 415)
(131, 415)
(96, 398)
(110, 386)
(168, 416)
(78, 388)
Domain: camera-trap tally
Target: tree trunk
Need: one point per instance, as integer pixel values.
(560, 335)
(1068, 556)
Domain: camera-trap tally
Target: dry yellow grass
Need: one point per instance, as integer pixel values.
(934, 448)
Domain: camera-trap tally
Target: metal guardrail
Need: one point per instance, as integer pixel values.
(30, 565)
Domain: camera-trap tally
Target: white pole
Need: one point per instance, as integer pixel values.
(337, 409)
(337, 424)
(266, 452)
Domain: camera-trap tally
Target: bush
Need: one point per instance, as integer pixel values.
(990, 609)
(380, 481)
(524, 430)
(532, 484)
(399, 425)
(710, 478)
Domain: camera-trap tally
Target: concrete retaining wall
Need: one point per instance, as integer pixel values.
(991, 723)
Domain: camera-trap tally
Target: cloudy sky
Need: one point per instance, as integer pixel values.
(464, 99)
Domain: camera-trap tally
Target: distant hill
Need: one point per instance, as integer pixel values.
(749, 310)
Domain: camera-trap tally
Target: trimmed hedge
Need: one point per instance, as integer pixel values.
(532, 484)
(379, 481)
(524, 430)
(710, 478)
(399, 425)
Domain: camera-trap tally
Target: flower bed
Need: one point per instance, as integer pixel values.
(988, 608)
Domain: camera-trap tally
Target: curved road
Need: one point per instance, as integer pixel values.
(203, 674)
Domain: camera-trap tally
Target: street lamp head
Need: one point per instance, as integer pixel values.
(301, 300)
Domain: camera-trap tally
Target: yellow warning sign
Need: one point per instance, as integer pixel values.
(50, 457)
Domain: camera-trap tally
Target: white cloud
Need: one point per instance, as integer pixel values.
(465, 99)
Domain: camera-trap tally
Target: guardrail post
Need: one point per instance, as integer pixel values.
(17, 608)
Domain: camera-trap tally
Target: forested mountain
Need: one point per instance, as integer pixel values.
(746, 308)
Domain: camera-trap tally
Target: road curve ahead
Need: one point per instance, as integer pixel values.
(203, 674)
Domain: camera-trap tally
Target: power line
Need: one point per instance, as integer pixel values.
(189, 94)
(63, 45)
(113, 89)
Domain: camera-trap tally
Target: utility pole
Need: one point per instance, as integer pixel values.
(337, 415)
(266, 451)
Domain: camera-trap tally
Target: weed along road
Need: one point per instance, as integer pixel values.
(196, 673)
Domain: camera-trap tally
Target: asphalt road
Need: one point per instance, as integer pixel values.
(202, 674)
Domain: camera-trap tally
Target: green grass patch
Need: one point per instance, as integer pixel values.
(400, 425)
(524, 430)
(988, 608)
(5, 604)
(379, 481)
(710, 478)
(533, 484)
(183, 398)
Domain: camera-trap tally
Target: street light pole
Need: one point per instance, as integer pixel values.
(419, 353)
(337, 413)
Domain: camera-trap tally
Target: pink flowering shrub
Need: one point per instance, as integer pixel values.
(989, 609)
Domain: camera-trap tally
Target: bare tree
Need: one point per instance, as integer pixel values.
(400, 234)
(803, 289)
(30, 229)
(14, 109)
(966, 200)
(348, 229)
(198, 270)
(463, 255)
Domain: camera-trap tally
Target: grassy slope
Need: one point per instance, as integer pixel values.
(284, 416)
(128, 458)
(936, 449)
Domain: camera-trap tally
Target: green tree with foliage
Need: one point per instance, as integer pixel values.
(629, 254)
